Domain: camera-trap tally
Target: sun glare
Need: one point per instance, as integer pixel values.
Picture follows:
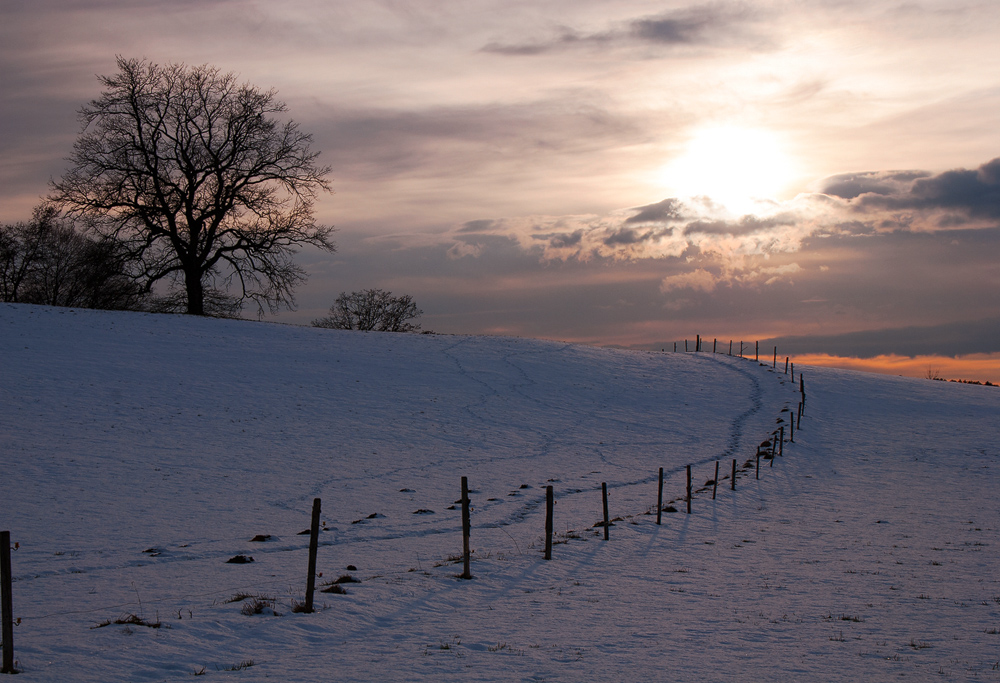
(734, 166)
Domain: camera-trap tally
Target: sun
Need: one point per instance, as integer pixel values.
(736, 166)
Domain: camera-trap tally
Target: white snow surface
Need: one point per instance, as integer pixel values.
(140, 452)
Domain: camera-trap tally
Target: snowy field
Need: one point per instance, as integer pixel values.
(140, 452)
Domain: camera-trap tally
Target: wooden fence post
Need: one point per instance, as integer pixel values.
(793, 373)
(466, 528)
(675, 347)
(313, 547)
(685, 345)
(715, 482)
(802, 387)
(774, 363)
(689, 489)
(757, 474)
(732, 478)
(791, 427)
(781, 442)
(659, 498)
(607, 522)
(697, 343)
(549, 505)
(6, 596)
(715, 342)
(756, 351)
(786, 364)
(730, 347)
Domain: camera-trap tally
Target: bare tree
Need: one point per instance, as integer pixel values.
(372, 309)
(190, 171)
(47, 261)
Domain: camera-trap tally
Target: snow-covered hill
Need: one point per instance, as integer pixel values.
(139, 452)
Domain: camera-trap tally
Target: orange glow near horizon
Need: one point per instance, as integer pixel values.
(980, 367)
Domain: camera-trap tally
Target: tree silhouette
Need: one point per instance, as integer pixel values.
(372, 309)
(191, 173)
(47, 261)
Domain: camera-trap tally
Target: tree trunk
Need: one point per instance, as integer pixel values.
(195, 292)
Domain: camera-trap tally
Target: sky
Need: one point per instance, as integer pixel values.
(823, 176)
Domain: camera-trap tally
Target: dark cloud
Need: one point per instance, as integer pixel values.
(708, 228)
(851, 185)
(626, 236)
(563, 240)
(661, 212)
(477, 226)
(566, 37)
(516, 50)
(954, 339)
(698, 24)
(972, 193)
(744, 226)
(715, 24)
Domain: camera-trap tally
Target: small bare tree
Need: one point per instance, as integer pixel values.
(189, 170)
(372, 309)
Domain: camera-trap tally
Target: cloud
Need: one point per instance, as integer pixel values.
(699, 280)
(776, 273)
(747, 225)
(669, 210)
(952, 339)
(974, 192)
(718, 24)
(468, 140)
(564, 240)
(463, 249)
(851, 185)
(826, 258)
(693, 25)
(477, 226)
(953, 198)
(626, 236)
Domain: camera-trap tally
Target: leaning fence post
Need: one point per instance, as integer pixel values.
(6, 596)
(659, 498)
(732, 478)
(689, 489)
(715, 482)
(786, 364)
(549, 504)
(607, 523)
(466, 528)
(313, 546)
